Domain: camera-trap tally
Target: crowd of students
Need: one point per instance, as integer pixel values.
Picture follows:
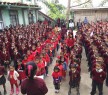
(70, 56)
(22, 44)
(95, 42)
(39, 43)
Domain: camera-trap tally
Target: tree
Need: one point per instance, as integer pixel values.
(68, 10)
(88, 4)
(55, 10)
(103, 3)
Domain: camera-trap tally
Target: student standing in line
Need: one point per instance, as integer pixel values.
(13, 79)
(98, 77)
(56, 79)
(2, 79)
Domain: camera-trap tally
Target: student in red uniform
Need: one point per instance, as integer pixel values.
(56, 79)
(38, 48)
(30, 56)
(21, 70)
(41, 66)
(74, 75)
(38, 72)
(46, 60)
(60, 66)
(24, 61)
(70, 43)
(2, 79)
(98, 77)
(33, 85)
(13, 79)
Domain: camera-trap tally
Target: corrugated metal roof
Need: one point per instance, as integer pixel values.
(86, 9)
(18, 5)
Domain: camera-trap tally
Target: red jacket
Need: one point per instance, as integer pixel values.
(39, 49)
(55, 74)
(30, 57)
(70, 42)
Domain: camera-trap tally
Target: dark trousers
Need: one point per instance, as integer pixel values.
(46, 68)
(69, 49)
(57, 47)
(57, 86)
(107, 80)
(53, 52)
(96, 84)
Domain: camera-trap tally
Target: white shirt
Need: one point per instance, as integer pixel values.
(71, 24)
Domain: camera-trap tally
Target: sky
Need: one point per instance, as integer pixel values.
(95, 2)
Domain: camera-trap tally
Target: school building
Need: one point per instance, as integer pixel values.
(92, 14)
(17, 12)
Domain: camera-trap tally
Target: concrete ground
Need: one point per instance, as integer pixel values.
(85, 85)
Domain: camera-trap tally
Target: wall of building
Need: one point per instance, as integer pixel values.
(91, 15)
(20, 17)
(6, 17)
(26, 17)
(34, 16)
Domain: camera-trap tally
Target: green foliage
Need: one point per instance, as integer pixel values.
(55, 10)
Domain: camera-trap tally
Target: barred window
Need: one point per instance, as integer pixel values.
(14, 17)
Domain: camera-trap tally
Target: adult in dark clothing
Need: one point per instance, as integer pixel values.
(79, 24)
(32, 85)
(63, 32)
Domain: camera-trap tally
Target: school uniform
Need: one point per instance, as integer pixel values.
(16, 57)
(74, 78)
(97, 80)
(70, 44)
(2, 77)
(56, 80)
(21, 71)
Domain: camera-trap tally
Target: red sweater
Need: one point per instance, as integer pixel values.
(98, 76)
(70, 42)
(30, 57)
(55, 74)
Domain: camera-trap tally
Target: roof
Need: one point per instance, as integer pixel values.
(18, 5)
(46, 16)
(87, 9)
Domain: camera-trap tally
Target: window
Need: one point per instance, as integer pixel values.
(14, 18)
(30, 17)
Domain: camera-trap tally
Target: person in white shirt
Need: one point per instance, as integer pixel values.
(71, 24)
